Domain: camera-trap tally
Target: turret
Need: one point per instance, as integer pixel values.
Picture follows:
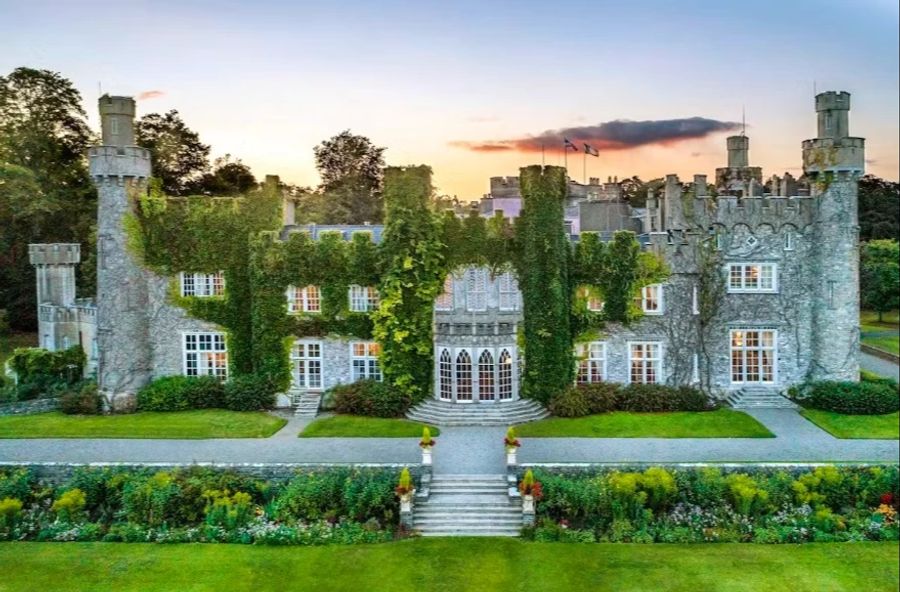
(738, 151)
(55, 266)
(120, 171)
(834, 162)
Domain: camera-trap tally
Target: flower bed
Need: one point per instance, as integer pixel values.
(335, 505)
(691, 505)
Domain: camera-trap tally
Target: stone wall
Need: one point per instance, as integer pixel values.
(29, 407)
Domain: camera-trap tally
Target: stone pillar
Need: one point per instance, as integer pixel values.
(120, 171)
(674, 208)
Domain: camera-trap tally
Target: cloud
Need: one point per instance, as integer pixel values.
(619, 134)
(150, 94)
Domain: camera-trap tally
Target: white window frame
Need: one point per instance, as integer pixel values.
(307, 368)
(473, 373)
(594, 303)
(370, 367)
(591, 361)
(202, 285)
(508, 290)
(490, 375)
(744, 275)
(307, 299)
(477, 299)
(445, 377)
(444, 300)
(659, 359)
(506, 376)
(195, 363)
(759, 349)
(646, 299)
(362, 298)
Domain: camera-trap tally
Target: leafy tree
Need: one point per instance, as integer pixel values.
(227, 178)
(634, 191)
(352, 171)
(179, 157)
(880, 276)
(46, 193)
(879, 208)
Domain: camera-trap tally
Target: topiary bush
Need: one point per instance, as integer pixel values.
(369, 397)
(179, 393)
(249, 393)
(869, 397)
(83, 399)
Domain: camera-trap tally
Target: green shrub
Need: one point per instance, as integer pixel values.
(602, 397)
(82, 399)
(151, 499)
(17, 483)
(70, 505)
(10, 508)
(869, 397)
(180, 393)
(249, 393)
(338, 493)
(369, 397)
(228, 510)
(39, 371)
(746, 495)
(572, 402)
(659, 397)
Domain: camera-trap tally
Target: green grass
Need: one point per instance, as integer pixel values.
(890, 322)
(722, 423)
(356, 426)
(450, 565)
(10, 342)
(856, 426)
(206, 423)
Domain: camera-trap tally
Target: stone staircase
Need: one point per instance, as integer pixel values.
(759, 398)
(443, 413)
(468, 505)
(306, 404)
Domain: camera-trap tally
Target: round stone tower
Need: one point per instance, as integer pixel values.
(834, 162)
(738, 151)
(120, 171)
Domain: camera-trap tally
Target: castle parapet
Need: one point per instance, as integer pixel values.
(54, 253)
(119, 161)
(834, 155)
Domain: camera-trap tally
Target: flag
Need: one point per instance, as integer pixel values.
(591, 150)
(569, 144)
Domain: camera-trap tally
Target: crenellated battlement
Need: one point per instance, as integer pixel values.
(54, 253)
(119, 161)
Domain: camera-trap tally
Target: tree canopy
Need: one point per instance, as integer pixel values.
(352, 171)
(879, 208)
(179, 157)
(879, 275)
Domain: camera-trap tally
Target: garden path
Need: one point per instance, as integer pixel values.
(879, 366)
(470, 450)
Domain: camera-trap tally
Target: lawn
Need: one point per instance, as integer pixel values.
(721, 423)
(457, 565)
(10, 342)
(855, 426)
(873, 332)
(356, 426)
(206, 423)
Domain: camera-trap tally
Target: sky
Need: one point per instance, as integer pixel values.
(474, 88)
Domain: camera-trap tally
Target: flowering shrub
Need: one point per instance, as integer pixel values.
(529, 486)
(688, 505)
(338, 505)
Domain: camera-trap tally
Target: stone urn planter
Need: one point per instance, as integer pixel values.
(528, 504)
(426, 455)
(406, 501)
(512, 447)
(426, 444)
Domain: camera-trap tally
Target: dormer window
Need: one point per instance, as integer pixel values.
(509, 291)
(476, 289)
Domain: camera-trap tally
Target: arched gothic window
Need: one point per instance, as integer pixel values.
(463, 376)
(486, 376)
(504, 376)
(446, 376)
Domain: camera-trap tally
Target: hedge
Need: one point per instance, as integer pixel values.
(369, 397)
(603, 397)
(867, 397)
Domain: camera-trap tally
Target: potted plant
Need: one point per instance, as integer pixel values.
(426, 444)
(531, 491)
(405, 491)
(512, 445)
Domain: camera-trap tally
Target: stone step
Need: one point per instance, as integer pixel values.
(470, 531)
(477, 414)
(759, 398)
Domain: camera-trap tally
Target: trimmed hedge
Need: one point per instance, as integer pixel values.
(249, 393)
(180, 393)
(84, 399)
(603, 397)
(867, 397)
(369, 397)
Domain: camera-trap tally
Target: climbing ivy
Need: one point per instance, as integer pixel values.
(414, 270)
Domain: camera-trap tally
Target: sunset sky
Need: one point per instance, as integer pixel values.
(463, 86)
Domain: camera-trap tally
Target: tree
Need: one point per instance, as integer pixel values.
(880, 276)
(879, 208)
(352, 171)
(179, 157)
(46, 194)
(227, 178)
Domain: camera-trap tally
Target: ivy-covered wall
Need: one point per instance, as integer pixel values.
(418, 249)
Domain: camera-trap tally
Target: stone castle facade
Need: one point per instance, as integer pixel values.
(763, 291)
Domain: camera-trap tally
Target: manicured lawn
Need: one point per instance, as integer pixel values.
(855, 426)
(869, 325)
(355, 426)
(14, 340)
(206, 423)
(721, 423)
(444, 565)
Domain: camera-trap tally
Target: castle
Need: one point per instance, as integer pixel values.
(762, 291)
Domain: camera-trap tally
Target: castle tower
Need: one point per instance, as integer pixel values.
(834, 162)
(120, 171)
(737, 176)
(55, 267)
(738, 151)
